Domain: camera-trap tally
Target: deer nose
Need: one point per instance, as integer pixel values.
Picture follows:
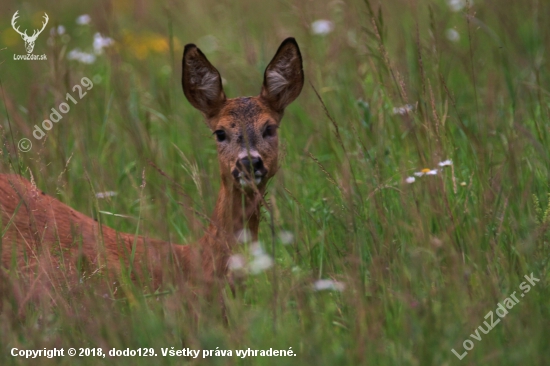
(254, 168)
(256, 164)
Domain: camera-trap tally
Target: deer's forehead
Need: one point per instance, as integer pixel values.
(246, 112)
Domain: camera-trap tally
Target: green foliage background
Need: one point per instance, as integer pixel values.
(422, 263)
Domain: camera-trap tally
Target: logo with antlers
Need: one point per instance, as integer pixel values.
(29, 40)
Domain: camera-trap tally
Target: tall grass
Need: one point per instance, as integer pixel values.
(422, 263)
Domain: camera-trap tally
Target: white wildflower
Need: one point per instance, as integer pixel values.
(261, 260)
(244, 236)
(322, 27)
(105, 194)
(446, 163)
(84, 19)
(410, 180)
(321, 285)
(80, 56)
(236, 262)
(260, 263)
(452, 35)
(101, 42)
(256, 249)
(286, 237)
(458, 5)
(426, 171)
(403, 110)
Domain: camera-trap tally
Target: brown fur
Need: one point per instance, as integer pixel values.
(48, 238)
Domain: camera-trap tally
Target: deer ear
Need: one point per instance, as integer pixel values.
(201, 82)
(283, 77)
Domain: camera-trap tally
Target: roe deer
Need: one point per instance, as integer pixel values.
(44, 236)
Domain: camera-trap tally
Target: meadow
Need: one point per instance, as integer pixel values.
(414, 177)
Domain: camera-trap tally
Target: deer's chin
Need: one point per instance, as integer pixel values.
(249, 183)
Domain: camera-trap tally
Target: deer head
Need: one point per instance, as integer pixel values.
(245, 128)
(29, 40)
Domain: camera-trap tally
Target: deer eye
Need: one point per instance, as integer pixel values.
(220, 135)
(270, 131)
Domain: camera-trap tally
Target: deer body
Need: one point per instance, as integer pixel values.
(44, 236)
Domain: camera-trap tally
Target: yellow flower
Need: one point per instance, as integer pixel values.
(10, 38)
(140, 45)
